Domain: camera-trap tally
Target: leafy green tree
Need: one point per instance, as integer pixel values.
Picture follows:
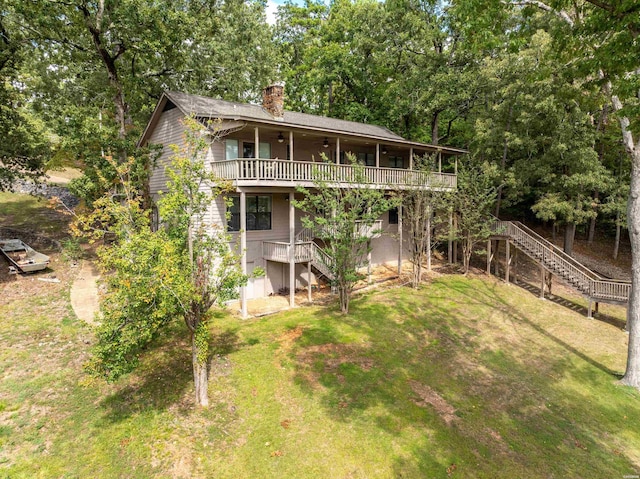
(100, 67)
(180, 271)
(343, 218)
(472, 203)
(25, 145)
(419, 205)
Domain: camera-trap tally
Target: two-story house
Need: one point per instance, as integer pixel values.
(267, 152)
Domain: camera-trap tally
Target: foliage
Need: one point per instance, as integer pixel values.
(418, 207)
(341, 217)
(26, 144)
(471, 204)
(154, 278)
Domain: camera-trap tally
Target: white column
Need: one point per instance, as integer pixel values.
(337, 151)
(377, 155)
(428, 226)
(456, 166)
(256, 138)
(439, 161)
(309, 280)
(291, 145)
(243, 249)
(411, 158)
(292, 246)
(400, 239)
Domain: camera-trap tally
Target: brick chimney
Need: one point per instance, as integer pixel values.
(273, 100)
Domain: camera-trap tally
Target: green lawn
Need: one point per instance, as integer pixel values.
(463, 378)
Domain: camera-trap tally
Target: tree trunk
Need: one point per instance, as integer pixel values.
(200, 373)
(503, 162)
(434, 128)
(632, 374)
(592, 223)
(569, 236)
(344, 299)
(616, 245)
(554, 228)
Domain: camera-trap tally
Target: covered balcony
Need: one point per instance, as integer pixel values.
(286, 173)
(389, 163)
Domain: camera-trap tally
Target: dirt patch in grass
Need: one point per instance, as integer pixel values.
(290, 337)
(429, 397)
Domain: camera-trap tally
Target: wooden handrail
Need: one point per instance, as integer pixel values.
(260, 169)
(553, 258)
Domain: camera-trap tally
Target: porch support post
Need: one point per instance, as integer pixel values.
(507, 259)
(542, 277)
(243, 250)
(291, 145)
(455, 243)
(369, 261)
(489, 257)
(450, 245)
(411, 158)
(337, 150)
(428, 225)
(377, 155)
(292, 247)
(400, 240)
(256, 138)
(515, 265)
(439, 161)
(589, 311)
(309, 280)
(455, 166)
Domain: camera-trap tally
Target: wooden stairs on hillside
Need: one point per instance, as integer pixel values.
(552, 259)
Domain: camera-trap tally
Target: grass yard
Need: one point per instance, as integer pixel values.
(464, 378)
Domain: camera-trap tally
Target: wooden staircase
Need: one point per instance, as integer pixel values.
(553, 259)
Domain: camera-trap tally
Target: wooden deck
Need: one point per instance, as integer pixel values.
(264, 172)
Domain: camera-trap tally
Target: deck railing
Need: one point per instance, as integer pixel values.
(560, 263)
(303, 253)
(253, 169)
(279, 251)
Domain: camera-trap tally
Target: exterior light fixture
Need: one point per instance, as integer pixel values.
(384, 150)
(280, 137)
(325, 143)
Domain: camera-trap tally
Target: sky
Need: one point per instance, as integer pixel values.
(272, 8)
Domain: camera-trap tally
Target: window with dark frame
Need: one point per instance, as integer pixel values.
(393, 216)
(258, 213)
(367, 159)
(396, 162)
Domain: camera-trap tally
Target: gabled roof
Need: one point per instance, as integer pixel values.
(205, 107)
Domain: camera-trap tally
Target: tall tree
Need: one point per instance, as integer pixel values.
(180, 271)
(343, 219)
(419, 205)
(471, 203)
(25, 143)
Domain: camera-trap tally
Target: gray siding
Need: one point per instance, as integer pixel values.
(168, 131)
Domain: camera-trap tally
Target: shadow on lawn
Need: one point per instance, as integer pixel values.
(510, 414)
(165, 377)
(567, 303)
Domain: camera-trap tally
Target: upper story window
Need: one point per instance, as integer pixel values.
(367, 159)
(231, 149)
(396, 162)
(249, 150)
(258, 213)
